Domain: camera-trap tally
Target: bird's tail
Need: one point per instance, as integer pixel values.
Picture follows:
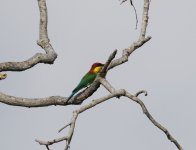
(72, 94)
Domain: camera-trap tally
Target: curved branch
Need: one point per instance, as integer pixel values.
(127, 52)
(114, 93)
(32, 102)
(48, 57)
(57, 100)
(141, 40)
(80, 97)
(158, 125)
(141, 92)
(72, 123)
(109, 87)
(134, 11)
(124, 58)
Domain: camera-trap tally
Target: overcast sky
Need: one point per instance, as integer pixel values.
(84, 32)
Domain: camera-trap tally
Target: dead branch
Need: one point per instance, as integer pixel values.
(47, 58)
(50, 55)
(93, 103)
(80, 97)
(76, 113)
(136, 18)
(57, 100)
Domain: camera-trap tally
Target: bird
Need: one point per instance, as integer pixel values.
(88, 78)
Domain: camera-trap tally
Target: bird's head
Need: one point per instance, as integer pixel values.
(96, 67)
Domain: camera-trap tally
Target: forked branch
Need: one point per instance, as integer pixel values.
(48, 57)
(57, 100)
(93, 103)
(44, 43)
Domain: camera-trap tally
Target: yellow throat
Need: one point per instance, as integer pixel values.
(97, 69)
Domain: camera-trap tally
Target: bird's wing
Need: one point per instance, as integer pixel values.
(85, 81)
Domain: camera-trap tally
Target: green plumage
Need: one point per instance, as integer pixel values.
(84, 82)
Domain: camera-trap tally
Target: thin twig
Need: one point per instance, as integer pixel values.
(81, 96)
(47, 147)
(135, 14)
(136, 18)
(114, 93)
(56, 100)
(144, 109)
(149, 116)
(64, 127)
(141, 92)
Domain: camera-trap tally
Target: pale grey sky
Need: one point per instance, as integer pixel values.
(88, 31)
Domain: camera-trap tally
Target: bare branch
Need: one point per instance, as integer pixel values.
(80, 97)
(135, 15)
(114, 93)
(107, 85)
(144, 19)
(127, 52)
(131, 2)
(32, 102)
(47, 58)
(47, 147)
(56, 100)
(141, 92)
(74, 118)
(61, 129)
(110, 58)
(47, 143)
(65, 138)
(141, 40)
(158, 125)
(144, 109)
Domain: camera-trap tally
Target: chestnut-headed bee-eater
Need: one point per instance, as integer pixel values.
(88, 78)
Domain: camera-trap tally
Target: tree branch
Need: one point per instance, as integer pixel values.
(141, 40)
(158, 125)
(48, 57)
(57, 100)
(32, 102)
(80, 97)
(93, 103)
(109, 87)
(47, 143)
(141, 92)
(74, 119)
(131, 2)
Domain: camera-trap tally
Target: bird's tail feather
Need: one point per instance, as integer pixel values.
(72, 94)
